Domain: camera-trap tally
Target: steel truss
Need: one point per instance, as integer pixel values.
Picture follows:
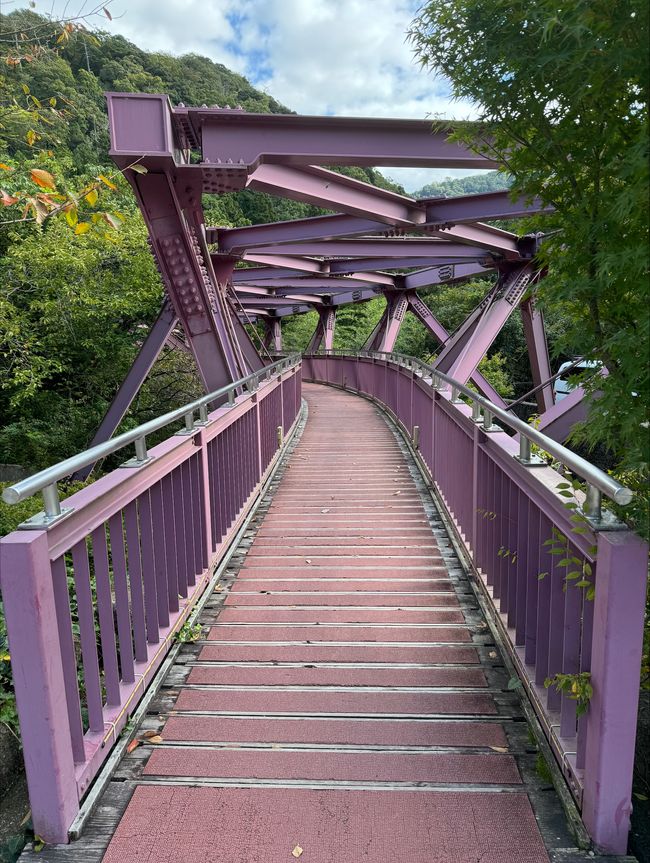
(377, 243)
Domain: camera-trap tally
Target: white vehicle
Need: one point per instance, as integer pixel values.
(561, 385)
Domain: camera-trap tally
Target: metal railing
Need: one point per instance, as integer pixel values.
(94, 595)
(597, 481)
(565, 588)
(46, 480)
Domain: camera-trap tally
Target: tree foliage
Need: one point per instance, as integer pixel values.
(562, 91)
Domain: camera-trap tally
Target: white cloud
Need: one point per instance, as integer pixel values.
(343, 57)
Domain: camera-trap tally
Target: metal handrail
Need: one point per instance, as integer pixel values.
(46, 480)
(598, 482)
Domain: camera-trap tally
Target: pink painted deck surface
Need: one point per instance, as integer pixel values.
(271, 652)
(348, 732)
(279, 675)
(333, 766)
(341, 659)
(264, 825)
(309, 597)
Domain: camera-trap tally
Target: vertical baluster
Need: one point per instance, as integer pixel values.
(122, 612)
(148, 568)
(491, 518)
(160, 552)
(502, 510)
(179, 530)
(220, 501)
(188, 515)
(105, 614)
(135, 581)
(522, 570)
(89, 657)
(535, 556)
(556, 629)
(573, 601)
(169, 504)
(200, 561)
(586, 643)
(225, 482)
(544, 604)
(517, 516)
(212, 491)
(68, 657)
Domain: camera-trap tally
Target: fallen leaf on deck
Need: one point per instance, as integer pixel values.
(307, 560)
(492, 654)
(132, 745)
(324, 510)
(156, 739)
(150, 734)
(498, 748)
(297, 851)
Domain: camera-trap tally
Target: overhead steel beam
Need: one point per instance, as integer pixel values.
(365, 247)
(236, 240)
(484, 236)
(254, 139)
(336, 192)
(360, 265)
(481, 208)
(444, 274)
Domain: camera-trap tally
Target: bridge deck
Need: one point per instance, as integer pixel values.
(346, 698)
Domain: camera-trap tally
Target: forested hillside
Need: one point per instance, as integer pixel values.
(487, 181)
(77, 295)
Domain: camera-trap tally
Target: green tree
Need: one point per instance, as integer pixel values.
(562, 93)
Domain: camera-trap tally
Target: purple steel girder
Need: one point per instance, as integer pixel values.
(327, 189)
(324, 332)
(397, 305)
(253, 139)
(446, 274)
(278, 154)
(426, 317)
(470, 343)
(364, 247)
(540, 363)
(273, 335)
(146, 357)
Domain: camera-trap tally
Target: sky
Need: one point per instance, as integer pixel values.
(340, 57)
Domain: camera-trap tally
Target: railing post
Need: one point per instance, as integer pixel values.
(206, 503)
(619, 605)
(37, 664)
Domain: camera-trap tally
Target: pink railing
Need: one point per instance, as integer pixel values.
(505, 510)
(133, 557)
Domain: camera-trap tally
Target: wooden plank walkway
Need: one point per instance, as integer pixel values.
(346, 700)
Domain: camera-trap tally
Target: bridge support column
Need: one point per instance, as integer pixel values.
(426, 317)
(324, 332)
(540, 364)
(384, 334)
(273, 335)
(147, 356)
(469, 344)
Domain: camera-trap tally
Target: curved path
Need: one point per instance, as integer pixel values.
(345, 702)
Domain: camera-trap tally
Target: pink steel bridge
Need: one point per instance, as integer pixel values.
(143, 545)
